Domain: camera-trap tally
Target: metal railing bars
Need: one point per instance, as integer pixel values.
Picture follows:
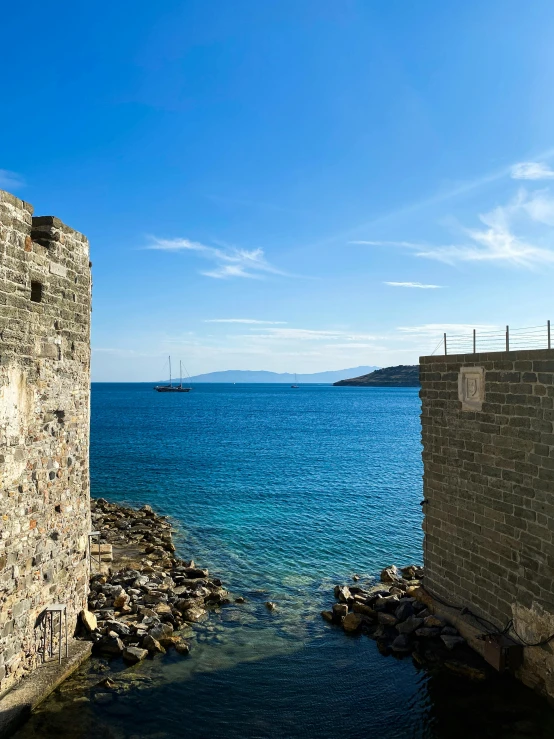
(530, 337)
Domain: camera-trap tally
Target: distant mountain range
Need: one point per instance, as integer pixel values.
(404, 375)
(247, 376)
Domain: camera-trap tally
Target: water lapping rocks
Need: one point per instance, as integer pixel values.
(142, 594)
(401, 625)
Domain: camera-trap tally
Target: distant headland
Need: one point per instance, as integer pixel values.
(404, 375)
(248, 376)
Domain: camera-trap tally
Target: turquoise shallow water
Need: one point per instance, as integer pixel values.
(273, 485)
(282, 493)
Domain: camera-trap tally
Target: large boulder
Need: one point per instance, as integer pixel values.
(387, 619)
(402, 644)
(409, 573)
(388, 602)
(343, 594)
(152, 645)
(194, 614)
(121, 600)
(410, 625)
(89, 621)
(120, 628)
(110, 645)
(404, 610)
(352, 622)
(340, 610)
(193, 573)
(159, 631)
(451, 642)
(390, 574)
(181, 646)
(434, 622)
(426, 632)
(364, 610)
(132, 655)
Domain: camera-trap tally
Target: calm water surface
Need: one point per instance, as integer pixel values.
(283, 493)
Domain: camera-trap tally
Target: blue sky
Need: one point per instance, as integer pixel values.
(292, 186)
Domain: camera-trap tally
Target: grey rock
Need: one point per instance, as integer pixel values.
(387, 619)
(401, 644)
(410, 625)
(152, 645)
(340, 610)
(132, 655)
(404, 610)
(390, 574)
(451, 642)
(427, 633)
(344, 594)
(110, 645)
(449, 631)
(160, 631)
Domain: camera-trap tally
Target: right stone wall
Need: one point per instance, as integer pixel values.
(488, 454)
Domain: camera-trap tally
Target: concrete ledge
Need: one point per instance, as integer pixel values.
(471, 633)
(17, 704)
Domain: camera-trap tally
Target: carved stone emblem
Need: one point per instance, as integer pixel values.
(471, 388)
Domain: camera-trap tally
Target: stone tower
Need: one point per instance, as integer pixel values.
(45, 303)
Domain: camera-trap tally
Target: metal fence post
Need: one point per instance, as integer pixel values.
(548, 333)
(445, 344)
(474, 343)
(507, 338)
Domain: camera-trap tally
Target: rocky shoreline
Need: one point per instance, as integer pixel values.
(391, 614)
(141, 594)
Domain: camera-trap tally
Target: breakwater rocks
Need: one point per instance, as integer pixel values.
(142, 594)
(391, 614)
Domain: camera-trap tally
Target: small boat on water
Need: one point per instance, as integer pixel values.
(171, 388)
(295, 385)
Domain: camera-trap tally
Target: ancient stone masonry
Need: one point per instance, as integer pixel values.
(45, 299)
(488, 452)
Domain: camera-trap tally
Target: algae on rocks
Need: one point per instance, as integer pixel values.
(142, 595)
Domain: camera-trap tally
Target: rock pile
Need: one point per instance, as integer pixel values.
(391, 614)
(137, 606)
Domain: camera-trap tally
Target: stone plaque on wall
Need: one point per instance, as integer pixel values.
(471, 388)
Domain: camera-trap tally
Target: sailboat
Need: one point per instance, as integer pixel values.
(295, 385)
(171, 388)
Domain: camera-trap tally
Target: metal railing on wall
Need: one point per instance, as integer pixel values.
(532, 337)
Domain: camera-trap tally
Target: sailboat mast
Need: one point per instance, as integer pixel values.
(180, 375)
(170, 371)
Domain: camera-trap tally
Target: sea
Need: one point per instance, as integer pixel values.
(282, 493)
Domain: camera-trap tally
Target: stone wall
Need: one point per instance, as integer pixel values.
(488, 452)
(45, 302)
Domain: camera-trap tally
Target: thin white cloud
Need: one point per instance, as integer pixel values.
(406, 244)
(419, 285)
(305, 334)
(512, 234)
(230, 261)
(436, 329)
(442, 195)
(531, 171)
(10, 180)
(243, 320)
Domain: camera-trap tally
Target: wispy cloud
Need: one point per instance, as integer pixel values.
(436, 329)
(512, 233)
(242, 320)
(10, 180)
(229, 261)
(419, 285)
(448, 192)
(405, 244)
(531, 171)
(305, 334)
